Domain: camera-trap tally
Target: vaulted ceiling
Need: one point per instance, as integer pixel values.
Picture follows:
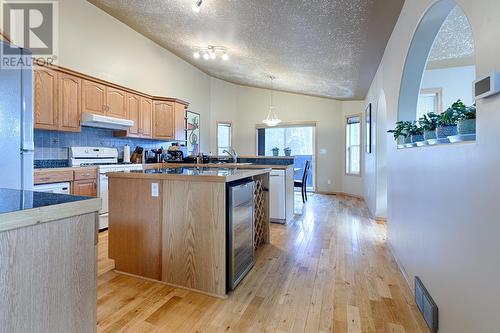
(328, 48)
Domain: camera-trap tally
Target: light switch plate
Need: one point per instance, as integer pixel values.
(155, 190)
(322, 151)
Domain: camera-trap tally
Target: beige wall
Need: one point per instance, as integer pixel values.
(443, 211)
(95, 43)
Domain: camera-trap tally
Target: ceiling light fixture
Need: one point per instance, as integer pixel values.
(197, 6)
(272, 119)
(211, 52)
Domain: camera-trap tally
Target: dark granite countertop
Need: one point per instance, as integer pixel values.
(16, 200)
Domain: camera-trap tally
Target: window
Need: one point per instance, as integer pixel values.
(224, 137)
(430, 100)
(353, 145)
(300, 138)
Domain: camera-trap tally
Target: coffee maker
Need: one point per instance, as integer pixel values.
(176, 153)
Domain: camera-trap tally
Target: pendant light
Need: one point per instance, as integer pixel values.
(272, 119)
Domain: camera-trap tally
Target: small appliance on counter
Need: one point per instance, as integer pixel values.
(176, 153)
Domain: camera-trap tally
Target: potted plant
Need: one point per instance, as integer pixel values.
(429, 123)
(276, 151)
(416, 133)
(400, 132)
(467, 121)
(447, 121)
(288, 151)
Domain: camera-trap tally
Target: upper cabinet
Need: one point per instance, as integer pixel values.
(45, 99)
(62, 95)
(57, 101)
(103, 100)
(70, 102)
(115, 103)
(93, 97)
(163, 115)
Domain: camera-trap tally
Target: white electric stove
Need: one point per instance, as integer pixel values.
(106, 160)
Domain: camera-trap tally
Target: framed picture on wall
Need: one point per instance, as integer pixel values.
(368, 128)
(193, 132)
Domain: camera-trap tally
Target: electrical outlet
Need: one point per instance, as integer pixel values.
(155, 190)
(329, 182)
(322, 151)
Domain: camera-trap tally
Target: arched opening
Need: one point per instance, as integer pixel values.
(440, 66)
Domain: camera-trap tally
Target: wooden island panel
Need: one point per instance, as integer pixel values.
(135, 227)
(194, 236)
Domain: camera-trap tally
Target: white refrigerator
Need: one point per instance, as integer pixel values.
(16, 126)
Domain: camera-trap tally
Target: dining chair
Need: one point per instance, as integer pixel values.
(303, 183)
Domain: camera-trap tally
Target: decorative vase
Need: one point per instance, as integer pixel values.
(400, 140)
(276, 152)
(443, 132)
(429, 135)
(466, 126)
(407, 139)
(288, 152)
(417, 138)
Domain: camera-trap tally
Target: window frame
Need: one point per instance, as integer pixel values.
(438, 103)
(346, 149)
(222, 122)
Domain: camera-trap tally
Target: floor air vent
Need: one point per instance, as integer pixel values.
(426, 305)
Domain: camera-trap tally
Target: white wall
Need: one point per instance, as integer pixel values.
(95, 43)
(443, 211)
(456, 83)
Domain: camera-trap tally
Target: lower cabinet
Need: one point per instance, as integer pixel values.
(277, 203)
(87, 188)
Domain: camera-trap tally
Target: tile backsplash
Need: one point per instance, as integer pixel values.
(53, 145)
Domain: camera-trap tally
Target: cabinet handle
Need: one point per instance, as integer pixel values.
(86, 175)
(104, 108)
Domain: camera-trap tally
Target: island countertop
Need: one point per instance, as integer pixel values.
(206, 174)
(24, 208)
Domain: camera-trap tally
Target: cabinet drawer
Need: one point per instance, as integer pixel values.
(47, 177)
(85, 174)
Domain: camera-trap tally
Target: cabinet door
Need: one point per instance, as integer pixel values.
(180, 122)
(70, 103)
(133, 113)
(163, 120)
(277, 195)
(93, 97)
(146, 117)
(87, 188)
(116, 103)
(45, 99)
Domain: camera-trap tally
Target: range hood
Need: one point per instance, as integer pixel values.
(94, 120)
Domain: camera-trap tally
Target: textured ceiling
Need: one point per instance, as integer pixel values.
(455, 39)
(329, 48)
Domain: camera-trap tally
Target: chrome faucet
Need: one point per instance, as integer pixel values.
(231, 152)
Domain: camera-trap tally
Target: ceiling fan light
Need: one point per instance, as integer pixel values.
(225, 56)
(196, 55)
(206, 56)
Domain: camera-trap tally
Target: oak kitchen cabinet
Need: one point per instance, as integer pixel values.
(62, 95)
(169, 120)
(100, 99)
(83, 180)
(140, 110)
(57, 100)
(45, 99)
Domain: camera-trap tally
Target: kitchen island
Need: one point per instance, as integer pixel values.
(169, 224)
(47, 262)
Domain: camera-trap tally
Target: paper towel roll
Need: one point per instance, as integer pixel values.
(126, 154)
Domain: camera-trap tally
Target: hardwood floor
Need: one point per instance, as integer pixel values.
(329, 270)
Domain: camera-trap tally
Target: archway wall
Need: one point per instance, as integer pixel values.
(442, 202)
